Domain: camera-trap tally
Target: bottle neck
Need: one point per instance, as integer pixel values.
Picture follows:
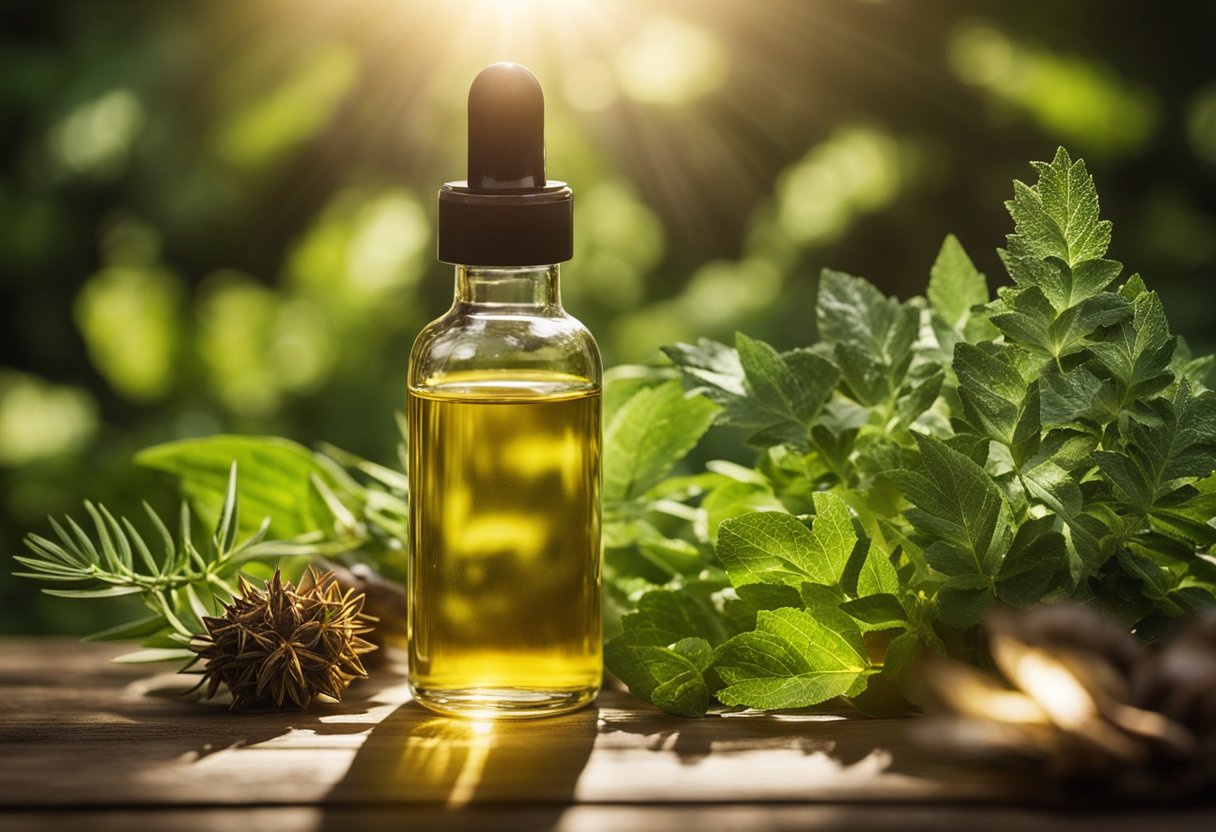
(531, 287)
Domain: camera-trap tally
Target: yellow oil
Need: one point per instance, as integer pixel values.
(504, 584)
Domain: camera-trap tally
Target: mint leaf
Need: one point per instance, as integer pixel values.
(664, 650)
(670, 677)
(649, 434)
(773, 395)
(955, 285)
(734, 499)
(787, 388)
(767, 547)
(741, 610)
(877, 612)
(877, 575)
(851, 311)
(791, 660)
(664, 617)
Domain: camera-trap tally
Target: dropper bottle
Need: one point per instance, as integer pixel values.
(504, 438)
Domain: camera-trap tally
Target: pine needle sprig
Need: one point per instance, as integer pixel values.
(180, 583)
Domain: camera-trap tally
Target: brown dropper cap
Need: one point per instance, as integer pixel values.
(506, 213)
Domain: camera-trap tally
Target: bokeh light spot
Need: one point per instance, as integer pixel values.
(364, 245)
(670, 61)
(1201, 125)
(96, 136)
(855, 171)
(589, 85)
(130, 318)
(39, 420)
(295, 110)
(1075, 99)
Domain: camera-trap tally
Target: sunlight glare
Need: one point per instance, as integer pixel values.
(670, 62)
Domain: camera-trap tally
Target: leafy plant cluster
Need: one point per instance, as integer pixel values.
(924, 460)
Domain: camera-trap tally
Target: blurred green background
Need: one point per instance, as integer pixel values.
(219, 216)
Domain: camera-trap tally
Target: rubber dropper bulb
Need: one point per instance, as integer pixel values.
(506, 130)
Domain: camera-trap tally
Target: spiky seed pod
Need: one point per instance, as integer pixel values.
(284, 645)
(1093, 712)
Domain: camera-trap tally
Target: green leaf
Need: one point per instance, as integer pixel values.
(164, 654)
(767, 547)
(997, 400)
(1138, 353)
(1158, 458)
(137, 629)
(958, 507)
(791, 660)
(650, 433)
(1070, 398)
(671, 677)
(963, 600)
(901, 652)
(851, 311)
(1058, 217)
(877, 612)
(772, 395)
(275, 480)
(664, 617)
(788, 388)
(664, 648)
(878, 575)
(955, 285)
(1070, 331)
(624, 381)
(1035, 560)
(733, 499)
(750, 599)
(1025, 318)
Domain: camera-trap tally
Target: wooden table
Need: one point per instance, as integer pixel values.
(89, 744)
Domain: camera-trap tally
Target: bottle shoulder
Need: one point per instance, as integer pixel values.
(506, 343)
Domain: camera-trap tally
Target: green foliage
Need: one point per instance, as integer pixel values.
(309, 498)
(921, 462)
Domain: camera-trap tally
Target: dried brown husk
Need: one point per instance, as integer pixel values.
(284, 646)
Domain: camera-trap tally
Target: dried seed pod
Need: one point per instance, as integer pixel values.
(285, 646)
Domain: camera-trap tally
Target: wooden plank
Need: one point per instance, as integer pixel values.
(85, 742)
(601, 818)
(106, 734)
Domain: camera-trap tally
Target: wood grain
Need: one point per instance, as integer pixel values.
(85, 742)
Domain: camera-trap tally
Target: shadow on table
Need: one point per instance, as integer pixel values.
(211, 727)
(847, 739)
(416, 757)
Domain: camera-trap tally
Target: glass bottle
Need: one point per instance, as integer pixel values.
(504, 439)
